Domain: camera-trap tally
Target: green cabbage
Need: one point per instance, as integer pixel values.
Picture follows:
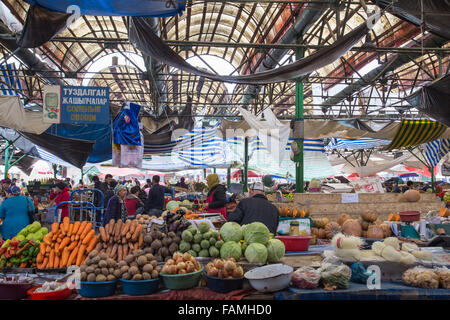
(231, 249)
(256, 253)
(172, 205)
(275, 250)
(256, 232)
(231, 231)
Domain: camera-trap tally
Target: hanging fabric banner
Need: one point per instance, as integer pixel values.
(52, 104)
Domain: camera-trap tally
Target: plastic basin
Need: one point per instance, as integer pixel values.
(52, 295)
(295, 243)
(409, 216)
(97, 289)
(224, 285)
(14, 291)
(139, 288)
(181, 281)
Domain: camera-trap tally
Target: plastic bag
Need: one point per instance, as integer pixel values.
(335, 277)
(444, 277)
(306, 278)
(421, 278)
(359, 273)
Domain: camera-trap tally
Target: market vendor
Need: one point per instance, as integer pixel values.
(60, 194)
(257, 208)
(117, 208)
(14, 213)
(216, 200)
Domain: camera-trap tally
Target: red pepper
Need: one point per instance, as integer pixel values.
(2, 250)
(23, 264)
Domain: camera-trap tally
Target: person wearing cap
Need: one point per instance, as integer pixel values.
(216, 200)
(257, 208)
(117, 208)
(60, 194)
(14, 213)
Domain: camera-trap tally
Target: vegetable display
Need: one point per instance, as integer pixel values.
(306, 278)
(19, 254)
(222, 268)
(66, 244)
(175, 221)
(33, 232)
(421, 277)
(161, 245)
(138, 266)
(181, 263)
(117, 239)
(144, 220)
(202, 242)
(98, 268)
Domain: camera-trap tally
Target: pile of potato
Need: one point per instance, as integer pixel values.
(138, 266)
(144, 220)
(98, 268)
(161, 245)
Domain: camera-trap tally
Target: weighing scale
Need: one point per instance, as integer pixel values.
(407, 229)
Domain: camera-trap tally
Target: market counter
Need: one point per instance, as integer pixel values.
(388, 291)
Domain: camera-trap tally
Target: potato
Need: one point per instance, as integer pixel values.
(138, 252)
(146, 276)
(134, 264)
(147, 268)
(117, 273)
(111, 270)
(102, 264)
(154, 263)
(91, 277)
(158, 268)
(148, 250)
(130, 258)
(100, 278)
(126, 276)
(83, 276)
(83, 268)
(105, 271)
(137, 277)
(103, 256)
(93, 254)
(121, 264)
(88, 262)
(133, 270)
(97, 271)
(110, 277)
(124, 269)
(90, 269)
(142, 261)
(155, 274)
(111, 263)
(96, 260)
(149, 257)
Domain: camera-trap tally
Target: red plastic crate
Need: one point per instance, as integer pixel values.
(295, 243)
(53, 295)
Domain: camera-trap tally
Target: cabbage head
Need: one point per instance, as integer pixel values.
(256, 253)
(231, 231)
(256, 232)
(275, 250)
(172, 205)
(231, 249)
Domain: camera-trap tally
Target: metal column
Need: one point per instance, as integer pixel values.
(245, 173)
(228, 177)
(6, 159)
(299, 118)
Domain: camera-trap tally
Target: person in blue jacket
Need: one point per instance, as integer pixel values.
(14, 213)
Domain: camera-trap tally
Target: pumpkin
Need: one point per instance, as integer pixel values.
(352, 227)
(314, 231)
(378, 222)
(369, 216)
(364, 234)
(412, 195)
(444, 212)
(375, 232)
(364, 224)
(342, 218)
(386, 229)
(321, 234)
(288, 212)
(320, 223)
(331, 229)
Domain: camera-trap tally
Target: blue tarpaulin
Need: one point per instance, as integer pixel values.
(126, 125)
(137, 8)
(102, 150)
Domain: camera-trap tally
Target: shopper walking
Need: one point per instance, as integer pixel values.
(116, 206)
(257, 208)
(155, 199)
(14, 213)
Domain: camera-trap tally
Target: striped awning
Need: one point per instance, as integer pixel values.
(436, 150)
(9, 80)
(357, 144)
(415, 132)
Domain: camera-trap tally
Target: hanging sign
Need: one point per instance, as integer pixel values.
(52, 104)
(85, 105)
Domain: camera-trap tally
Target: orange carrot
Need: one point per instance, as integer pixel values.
(70, 230)
(76, 227)
(63, 244)
(55, 226)
(40, 258)
(65, 257)
(92, 244)
(56, 263)
(80, 254)
(51, 259)
(88, 237)
(45, 263)
(72, 257)
(81, 228)
(86, 230)
(42, 248)
(72, 245)
(66, 223)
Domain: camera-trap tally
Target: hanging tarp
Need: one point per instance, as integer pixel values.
(126, 125)
(20, 142)
(434, 13)
(144, 39)
(14, 116)
(436, 150)
(415, 132)
(100, 134)
(433, 100)
(357, 144)
(25, 164)
(48, 157)
(73, 151)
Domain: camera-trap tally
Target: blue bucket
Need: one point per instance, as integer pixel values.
(97, 289)
(139, 288)
(223, 285)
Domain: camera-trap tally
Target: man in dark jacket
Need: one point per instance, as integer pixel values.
(256, 209)
(107, 188)
(155, 199)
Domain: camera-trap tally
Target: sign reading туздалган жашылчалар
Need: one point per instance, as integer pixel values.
(87, 105)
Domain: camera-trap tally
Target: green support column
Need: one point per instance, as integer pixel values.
(228, 177)
(214, 170)
(299, 117)
(55, 168)
(204, 173)
(433, 178)
(245, 176)
(6, 159)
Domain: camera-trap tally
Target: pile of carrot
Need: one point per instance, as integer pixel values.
(67, 244)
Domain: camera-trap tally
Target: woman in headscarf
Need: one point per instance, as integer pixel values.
(116, 206)
(61, 194)
(216, 200)
(14, 213)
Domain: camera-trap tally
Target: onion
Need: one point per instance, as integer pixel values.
(182, 271)
(219, 264)
(187, 256)
(172, 269)
(190, 269)
(230, 266)
(165, 269)
(181, 266)
(238, 272)
(213, 272)
(170, 262)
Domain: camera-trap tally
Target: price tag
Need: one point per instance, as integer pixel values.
(350, 198)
